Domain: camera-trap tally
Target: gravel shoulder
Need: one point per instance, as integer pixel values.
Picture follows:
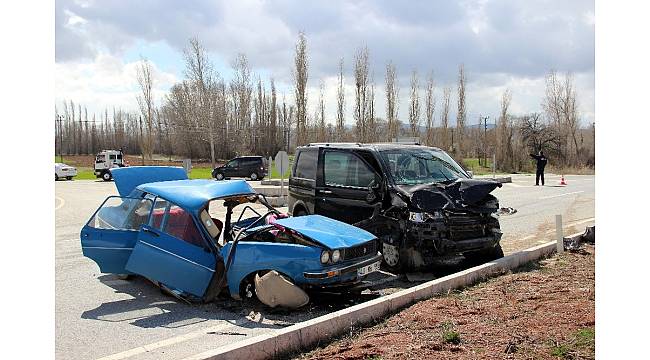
(544, 310)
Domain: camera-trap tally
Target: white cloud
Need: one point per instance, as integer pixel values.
(105, 82)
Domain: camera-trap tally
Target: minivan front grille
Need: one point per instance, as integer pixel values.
(467, 226)
(369, 248)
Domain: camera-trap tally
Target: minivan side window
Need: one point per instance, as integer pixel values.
(346, 169)
(306, 165)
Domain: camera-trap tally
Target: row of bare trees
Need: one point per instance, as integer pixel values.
(205, 117)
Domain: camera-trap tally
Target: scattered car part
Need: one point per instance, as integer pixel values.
(574, 242)
(273, 289)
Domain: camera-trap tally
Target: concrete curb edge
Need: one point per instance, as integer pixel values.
(309, 333)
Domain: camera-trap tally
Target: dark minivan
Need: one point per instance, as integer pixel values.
(417, 200)
(243, 166)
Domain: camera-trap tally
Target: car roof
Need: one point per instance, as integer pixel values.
(371, 146)
(193, 194)
(249, 157)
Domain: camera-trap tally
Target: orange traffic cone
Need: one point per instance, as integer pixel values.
(562, 182)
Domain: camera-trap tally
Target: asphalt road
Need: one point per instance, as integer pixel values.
(100, 316)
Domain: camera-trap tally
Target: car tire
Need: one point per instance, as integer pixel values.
(254, 176)
(56, 177)
(484, 256)
(300, 212)
(219, 176)
(69, 177)
(106, 176)
(392, 258)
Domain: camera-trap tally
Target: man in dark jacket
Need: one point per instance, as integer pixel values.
(541, 163)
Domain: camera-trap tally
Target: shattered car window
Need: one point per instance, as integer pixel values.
(121, 214)
(421, 166)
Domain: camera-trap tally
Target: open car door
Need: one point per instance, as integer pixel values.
(111, 233)
(171, 250)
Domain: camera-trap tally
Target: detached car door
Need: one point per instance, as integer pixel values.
(172, 250)
(111, 233)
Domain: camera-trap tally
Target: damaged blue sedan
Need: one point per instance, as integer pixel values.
(161, 227)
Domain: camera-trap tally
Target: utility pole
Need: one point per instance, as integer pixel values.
(59, 120)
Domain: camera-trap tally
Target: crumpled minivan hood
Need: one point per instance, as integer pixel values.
(331, 233)
(460, 194)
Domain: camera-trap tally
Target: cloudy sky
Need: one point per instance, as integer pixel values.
(503, 45)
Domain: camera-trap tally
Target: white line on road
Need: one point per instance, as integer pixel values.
(171, 341)
(60, 205)
(554, 196)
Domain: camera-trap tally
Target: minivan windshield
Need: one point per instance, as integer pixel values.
(421, 166)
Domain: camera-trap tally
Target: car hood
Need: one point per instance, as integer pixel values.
(460, 194)
(128, 178)
(331, 233)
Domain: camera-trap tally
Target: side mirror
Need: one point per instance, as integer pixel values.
(374, 192)
(470, 173)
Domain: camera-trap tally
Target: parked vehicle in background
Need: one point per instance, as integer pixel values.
(252, 167)
(160, 227)
(106, 160)
(419, 202)
(63, 171)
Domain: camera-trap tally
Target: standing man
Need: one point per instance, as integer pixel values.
(541, 163)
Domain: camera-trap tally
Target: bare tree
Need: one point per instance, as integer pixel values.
(444, 118)
(504, 134)
(460, 116)
(361, 65)
(430, 106)
(300, 82)
(392, 101)
(321, 114)
(241, 88)
(414, 106)
(340, 105)
(371, 125)
(145, 101)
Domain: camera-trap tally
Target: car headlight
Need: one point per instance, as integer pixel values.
(325, 257)
(336, 256)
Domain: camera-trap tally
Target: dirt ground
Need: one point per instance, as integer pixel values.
(544, 310)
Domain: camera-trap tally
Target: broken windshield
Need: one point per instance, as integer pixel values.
(421, 166)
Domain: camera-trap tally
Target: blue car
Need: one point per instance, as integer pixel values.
(160, 228)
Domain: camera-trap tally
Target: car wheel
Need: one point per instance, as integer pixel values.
(392, 258)
(107, 176)
(300, 212)
(56, 177)
(254, 176)
(69, 177)
(219, 176)
(486, 255)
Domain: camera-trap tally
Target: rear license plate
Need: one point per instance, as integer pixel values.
(365, 270)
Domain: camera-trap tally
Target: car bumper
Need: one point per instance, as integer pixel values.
(341, 275)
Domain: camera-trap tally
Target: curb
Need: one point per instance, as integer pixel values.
(311, 332)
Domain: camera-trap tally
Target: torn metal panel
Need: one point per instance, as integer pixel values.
(273, 289)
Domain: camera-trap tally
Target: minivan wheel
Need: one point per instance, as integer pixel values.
(56, 177)
(219, 176)
(392, 258)
(299, 212)
(254, 176)
(107, 176)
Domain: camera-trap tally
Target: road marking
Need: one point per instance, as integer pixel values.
(554, 196)
(171, 341)
(60, 205)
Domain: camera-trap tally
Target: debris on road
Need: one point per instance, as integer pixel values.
(542, 310)
(574, 243)
(273, 289)
(506, 211)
